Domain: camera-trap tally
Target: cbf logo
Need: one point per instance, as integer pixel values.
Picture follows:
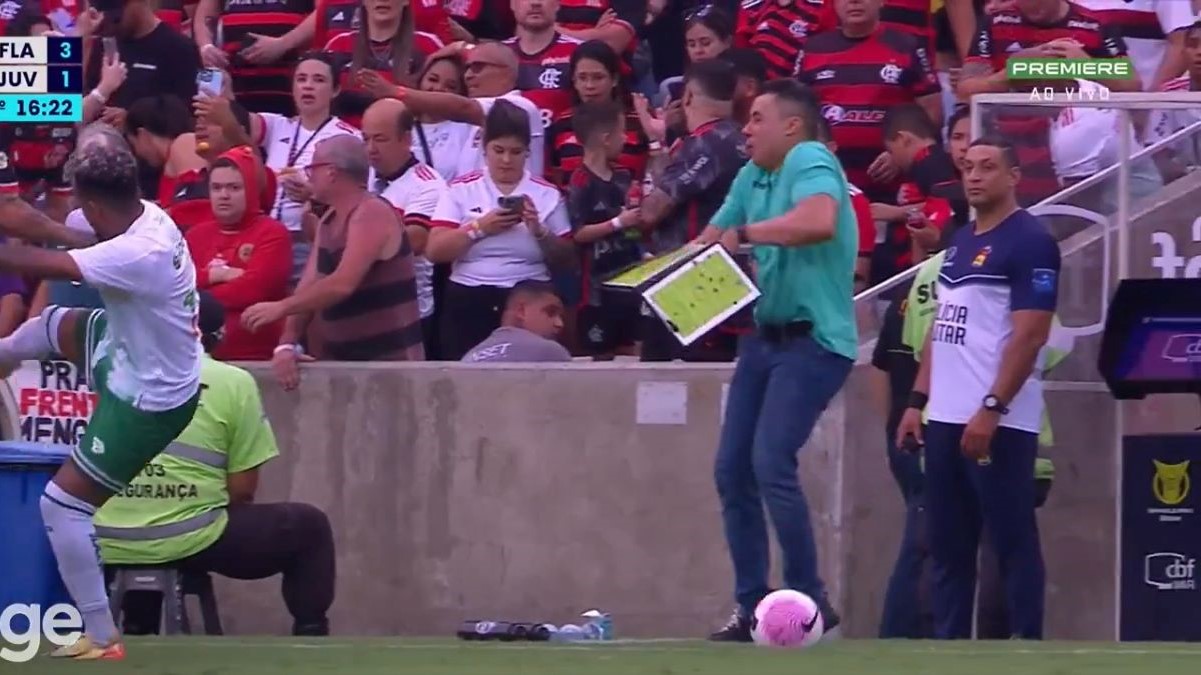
(60, 624)
(1170, 572)
(1184, 348)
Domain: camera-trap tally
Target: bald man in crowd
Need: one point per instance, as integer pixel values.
(490, 74)
(359, 283)
(413, 188)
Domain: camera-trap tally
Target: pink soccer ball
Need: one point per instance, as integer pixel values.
(787, 618)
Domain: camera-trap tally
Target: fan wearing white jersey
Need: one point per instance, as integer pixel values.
(979, 385)
(1153, 31)
(412, 187)
(1184, 154)
(142, 355)
(490, 72)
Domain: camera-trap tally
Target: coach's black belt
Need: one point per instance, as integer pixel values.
(780, 332)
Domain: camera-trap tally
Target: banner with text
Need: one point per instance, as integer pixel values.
(48, 402)
(1161, 538)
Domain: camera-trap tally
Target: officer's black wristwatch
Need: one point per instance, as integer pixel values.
(992, 403)
(742, 236)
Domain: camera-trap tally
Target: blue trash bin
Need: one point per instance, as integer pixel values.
(28, 570)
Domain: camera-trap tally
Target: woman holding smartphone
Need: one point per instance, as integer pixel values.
(497, 227)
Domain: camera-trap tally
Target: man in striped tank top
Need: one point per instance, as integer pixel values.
(359, 289)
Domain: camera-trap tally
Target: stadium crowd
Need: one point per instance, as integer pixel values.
(369, 180)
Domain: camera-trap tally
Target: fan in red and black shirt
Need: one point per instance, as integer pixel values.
(594, 74)
(930, 202)
(1041, 29)
(581, 19)
(859, 71)
(331, 18)
(388, 39)
(543, 58)
(778, 29)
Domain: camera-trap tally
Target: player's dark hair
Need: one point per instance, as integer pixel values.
(22, 26)
(100, 172)
(602, 53)
(590, 120)
(1007, 152)
(530, 288)
(714, 18)
(162, 115)
(798, 100)
(506, 120)
(747, 63)
(909, 117)
(714, 77)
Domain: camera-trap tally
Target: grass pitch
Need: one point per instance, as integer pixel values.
(267, 656)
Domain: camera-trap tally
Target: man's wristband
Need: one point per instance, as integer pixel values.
(918, 399)
(289, 348)
(100, 98)
(616, 223)
(474, 233)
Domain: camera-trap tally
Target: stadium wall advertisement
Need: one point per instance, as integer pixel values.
(46, 402)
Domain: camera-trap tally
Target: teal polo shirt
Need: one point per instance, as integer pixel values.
(801, 283)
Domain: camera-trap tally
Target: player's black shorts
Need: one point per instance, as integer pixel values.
(616, 322)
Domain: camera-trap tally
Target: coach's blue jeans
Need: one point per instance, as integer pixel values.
(778, 391)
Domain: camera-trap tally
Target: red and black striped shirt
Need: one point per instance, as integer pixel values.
(543, 78)
(908, 16)
(857, 80)
(265, 88)
(565, 154)
(352, 102)
(1007, 32)
(585, 14)
(779, 32)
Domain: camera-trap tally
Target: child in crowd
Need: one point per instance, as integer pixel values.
(602, 202)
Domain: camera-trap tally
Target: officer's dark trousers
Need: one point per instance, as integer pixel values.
(906, 601)
(963, 495)
(263, 540)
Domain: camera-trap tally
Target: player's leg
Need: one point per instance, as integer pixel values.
(953, 519)
(53, 331)
(1007, 497)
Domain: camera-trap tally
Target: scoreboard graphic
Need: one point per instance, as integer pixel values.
(41, 80)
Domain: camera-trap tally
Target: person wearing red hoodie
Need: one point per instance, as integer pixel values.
(242, 256)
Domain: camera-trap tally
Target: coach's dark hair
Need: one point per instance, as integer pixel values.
(801, 101)
(714, 18)
(162, 115)
(715, 78)
(746, 62)
(506, 120)
(104, 172)
(1007, 152)
(530, 288)
(590, 119)
(602, 53)
(22, 26)
(909, 117)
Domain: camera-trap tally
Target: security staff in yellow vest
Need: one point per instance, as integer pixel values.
(193, 506)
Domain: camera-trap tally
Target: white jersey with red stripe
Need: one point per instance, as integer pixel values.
(1144, 25)
(416, 194)
(1165, 122)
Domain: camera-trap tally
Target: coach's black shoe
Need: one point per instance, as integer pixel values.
(738, 629)
(830, 618)
(314, 629)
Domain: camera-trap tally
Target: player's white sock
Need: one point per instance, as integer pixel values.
(68, 522)
(35, 339)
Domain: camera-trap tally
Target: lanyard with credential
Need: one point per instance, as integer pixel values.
(294, 154)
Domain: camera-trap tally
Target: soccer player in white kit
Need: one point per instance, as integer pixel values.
(142, 355)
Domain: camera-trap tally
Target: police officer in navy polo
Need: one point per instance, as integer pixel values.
(980, 389)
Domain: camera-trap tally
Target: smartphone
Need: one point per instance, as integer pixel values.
(110, 48)
(512, 203)
(210, 82)
(675, 91)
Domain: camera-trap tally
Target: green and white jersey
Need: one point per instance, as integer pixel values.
(148, 284)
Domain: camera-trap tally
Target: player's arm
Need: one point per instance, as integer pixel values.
(39, 262)
(206, 11)
(367, 234)
(732, 212)
(961, 14)
(618, 34)
(297, 325)
(1174, 61)
(20, 220)
(558, 249)
(923, 84)
(1034, 290)
(815, 193)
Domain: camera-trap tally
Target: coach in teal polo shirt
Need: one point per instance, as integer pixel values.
(792, 204)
